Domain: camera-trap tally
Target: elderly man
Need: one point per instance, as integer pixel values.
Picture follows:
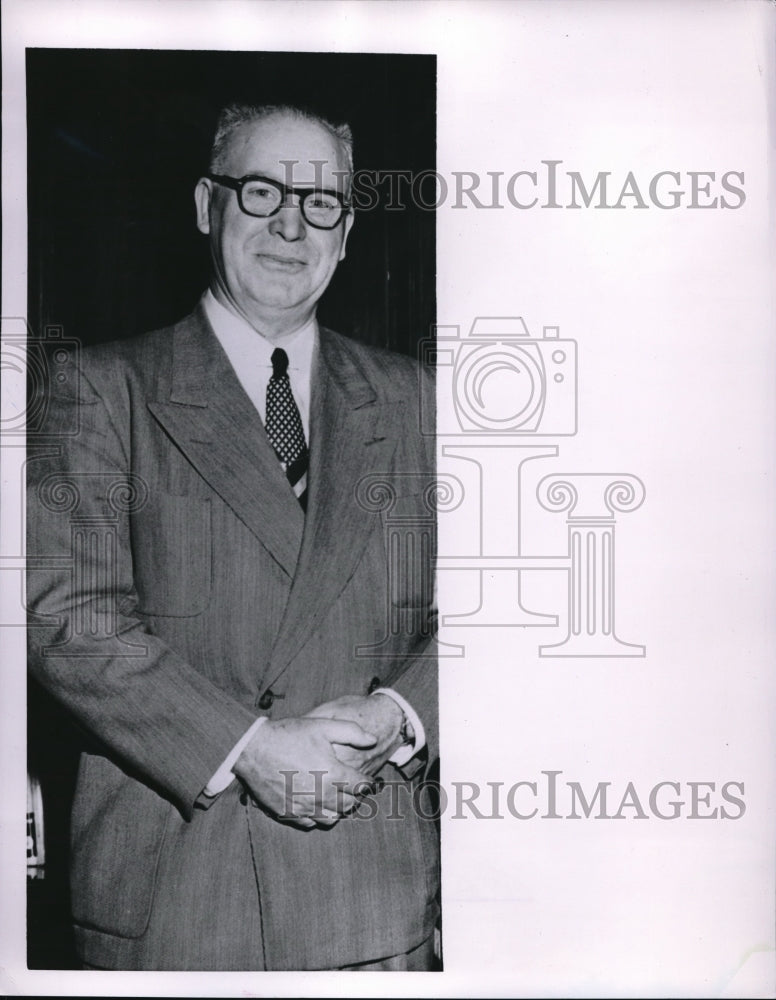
(214, 595)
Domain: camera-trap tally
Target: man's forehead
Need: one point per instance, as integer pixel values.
(292, 150)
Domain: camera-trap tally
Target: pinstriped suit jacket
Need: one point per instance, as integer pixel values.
(180, 582)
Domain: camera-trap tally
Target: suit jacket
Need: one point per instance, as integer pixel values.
(174, 580)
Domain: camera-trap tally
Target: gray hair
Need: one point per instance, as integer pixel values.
(234, 115)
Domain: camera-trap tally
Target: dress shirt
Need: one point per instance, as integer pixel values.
(251, 357)
(250, 354)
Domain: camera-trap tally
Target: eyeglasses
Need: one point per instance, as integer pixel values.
(263, 197)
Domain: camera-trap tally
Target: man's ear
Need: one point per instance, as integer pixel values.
(203, 192)
(347, 225)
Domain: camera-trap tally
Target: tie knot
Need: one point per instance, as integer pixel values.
(279, 362)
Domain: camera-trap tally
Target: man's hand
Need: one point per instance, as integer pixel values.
(376, 713)
(279, 767)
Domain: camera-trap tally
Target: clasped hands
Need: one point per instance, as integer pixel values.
(312, 770)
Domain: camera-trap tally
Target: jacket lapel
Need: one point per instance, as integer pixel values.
(212, 420)
(352, 435)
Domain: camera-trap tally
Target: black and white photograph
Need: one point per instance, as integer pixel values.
(387, 532)
(211, 584)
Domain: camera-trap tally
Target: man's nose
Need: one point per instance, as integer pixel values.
(288, 222)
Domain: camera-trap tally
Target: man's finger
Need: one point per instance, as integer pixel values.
(343, 731)
(347, 785)
(290, 820)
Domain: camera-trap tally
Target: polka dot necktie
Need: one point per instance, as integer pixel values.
(284, 426)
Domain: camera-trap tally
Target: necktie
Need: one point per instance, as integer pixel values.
(284, 426)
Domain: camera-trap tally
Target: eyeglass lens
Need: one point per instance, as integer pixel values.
(318, 207)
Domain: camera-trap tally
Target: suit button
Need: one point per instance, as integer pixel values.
(266, 700)
(374, 684)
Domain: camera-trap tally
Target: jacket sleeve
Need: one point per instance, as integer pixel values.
(155, 715)
(417, 683)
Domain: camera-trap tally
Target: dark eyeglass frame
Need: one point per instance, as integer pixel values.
(238, 183)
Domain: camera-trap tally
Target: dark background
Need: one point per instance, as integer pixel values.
(118, 139)
(116, 142)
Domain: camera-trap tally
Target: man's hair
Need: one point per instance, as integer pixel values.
(234, 115)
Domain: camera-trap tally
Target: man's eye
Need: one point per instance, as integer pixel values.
(322, 201)
(260, 189)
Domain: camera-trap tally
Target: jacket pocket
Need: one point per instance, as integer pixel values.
(172, 558)
(118, 830)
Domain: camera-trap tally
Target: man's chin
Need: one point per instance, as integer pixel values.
(277, 308)
(279, 294)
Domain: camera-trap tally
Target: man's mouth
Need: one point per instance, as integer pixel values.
(281, 263)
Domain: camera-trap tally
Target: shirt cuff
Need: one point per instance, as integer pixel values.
(407, 750)
(223, 777)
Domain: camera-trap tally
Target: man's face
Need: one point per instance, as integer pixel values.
(273, 270)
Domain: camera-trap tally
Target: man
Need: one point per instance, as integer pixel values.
(213, 599)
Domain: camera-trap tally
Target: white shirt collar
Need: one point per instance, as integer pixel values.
(298, 346)
(250, 355)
